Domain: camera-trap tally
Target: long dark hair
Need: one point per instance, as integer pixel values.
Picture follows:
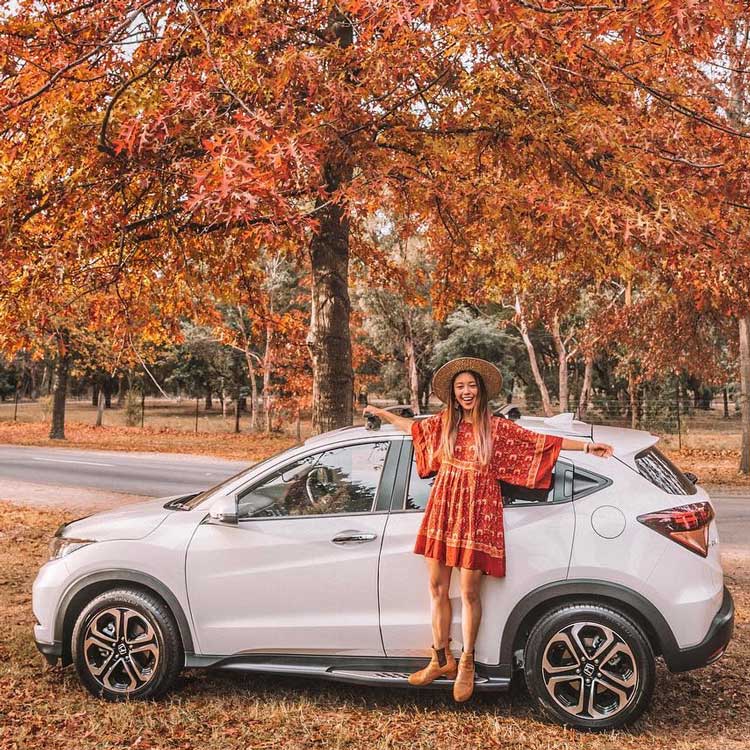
(453, 416)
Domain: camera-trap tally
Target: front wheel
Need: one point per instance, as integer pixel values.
(126, 645)
(589, 666)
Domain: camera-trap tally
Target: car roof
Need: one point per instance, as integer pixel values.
(625, 440)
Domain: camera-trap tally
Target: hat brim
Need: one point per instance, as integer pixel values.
(441, 380)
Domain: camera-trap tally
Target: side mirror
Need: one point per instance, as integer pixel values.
(692, 477)
(224, 512)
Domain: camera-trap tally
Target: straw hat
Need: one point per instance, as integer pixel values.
(441, 380)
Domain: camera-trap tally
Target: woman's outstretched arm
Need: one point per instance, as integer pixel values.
(603, 450)
(402, 423)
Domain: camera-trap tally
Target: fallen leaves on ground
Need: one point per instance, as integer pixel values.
(241, 446)
(45, 708)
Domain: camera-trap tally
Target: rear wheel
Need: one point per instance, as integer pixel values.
(589, 666)
(126, 645)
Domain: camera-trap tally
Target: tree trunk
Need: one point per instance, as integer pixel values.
(726, 402)
(46, 378)
(209, 400)
(267, 364)
(744, 326)
(60, 387)
(329, 339)
(100, 408)
(33, 379)
(588, 371)
(250, 369)
(237, 371)
(411, 366)
(122, 390)
(253, 392)
(107, 388)
(95, 393)
(562, 365)
(538, 379)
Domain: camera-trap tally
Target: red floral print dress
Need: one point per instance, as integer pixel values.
(463, 520)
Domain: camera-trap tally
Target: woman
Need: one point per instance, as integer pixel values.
(469, 450)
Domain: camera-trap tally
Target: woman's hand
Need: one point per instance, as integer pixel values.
(603, 450)
(402, 423)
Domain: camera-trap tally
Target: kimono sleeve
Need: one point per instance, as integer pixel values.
(523, 457)
(425, 435)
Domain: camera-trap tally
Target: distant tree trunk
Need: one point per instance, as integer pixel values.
(744, 326)
(538, 379)
(411, 367)
(562, 364)
(122, 389)
(267, 365)
(100, 409)
(253, 392)
(60, 387)
(209, 400)
(107, 388)
(588, 371)
(45, 386)
(726, 402)
(250, 368)
(33, 381)
(632, 385)
(237, 371)
(95, 393)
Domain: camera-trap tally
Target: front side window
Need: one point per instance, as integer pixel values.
(340, 480)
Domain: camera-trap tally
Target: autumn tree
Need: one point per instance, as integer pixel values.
(139, 135)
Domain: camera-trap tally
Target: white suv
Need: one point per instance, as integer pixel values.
(303, 565)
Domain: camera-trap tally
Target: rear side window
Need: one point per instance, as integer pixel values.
(659, 470)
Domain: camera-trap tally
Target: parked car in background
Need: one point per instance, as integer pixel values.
(303, 565)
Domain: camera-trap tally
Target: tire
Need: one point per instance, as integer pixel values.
(587, 636)
(127, 646)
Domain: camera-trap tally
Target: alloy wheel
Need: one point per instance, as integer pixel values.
(120, 649)
(589, 670)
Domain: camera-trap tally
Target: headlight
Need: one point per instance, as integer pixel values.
(63, 545)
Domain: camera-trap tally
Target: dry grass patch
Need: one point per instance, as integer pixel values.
(240, 446)
(45, 707)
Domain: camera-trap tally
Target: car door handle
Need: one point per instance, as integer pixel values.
(353, 537)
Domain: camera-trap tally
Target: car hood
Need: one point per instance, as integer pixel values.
(129, 522)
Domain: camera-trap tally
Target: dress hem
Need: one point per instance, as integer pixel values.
(459, 557)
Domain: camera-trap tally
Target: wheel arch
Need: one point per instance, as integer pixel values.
(537, 602)
(79, 594)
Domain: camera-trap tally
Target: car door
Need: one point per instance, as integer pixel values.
(298, 573)
(539, 526)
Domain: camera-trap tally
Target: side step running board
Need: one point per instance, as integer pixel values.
(359, 670)
(399, 679)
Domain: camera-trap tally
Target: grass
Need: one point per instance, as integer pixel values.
(46, 708)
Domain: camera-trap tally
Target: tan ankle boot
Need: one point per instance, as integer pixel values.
(433, 670)
(463, 687)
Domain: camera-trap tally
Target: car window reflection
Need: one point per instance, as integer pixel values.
(341, 480)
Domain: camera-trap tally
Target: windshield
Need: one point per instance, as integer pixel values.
(194, 502)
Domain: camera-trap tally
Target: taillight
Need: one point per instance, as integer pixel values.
(686, 524)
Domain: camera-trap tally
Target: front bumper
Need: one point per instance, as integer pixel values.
(712, 647)
(51, 651)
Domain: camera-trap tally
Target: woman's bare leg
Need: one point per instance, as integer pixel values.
(440, 580)
(471, 614)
